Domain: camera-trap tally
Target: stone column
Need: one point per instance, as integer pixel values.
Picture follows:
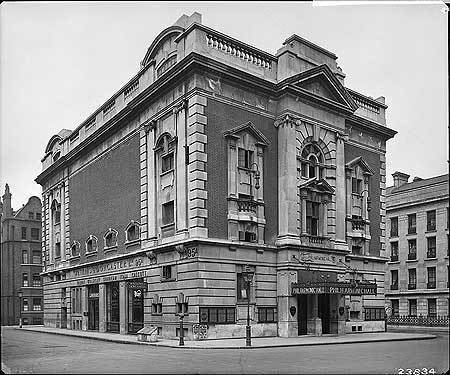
(151, 198)
(341, 317)
(303, 196)
(287, 180)
(123, 307)
(340, 193)
(314, 322)
(287, 324)
(84, 308)
(102, 307)
(180, 161)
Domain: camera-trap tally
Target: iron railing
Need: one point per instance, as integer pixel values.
(428, 321)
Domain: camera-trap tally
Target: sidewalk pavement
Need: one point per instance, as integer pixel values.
(239, 343)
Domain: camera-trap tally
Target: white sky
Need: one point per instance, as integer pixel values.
(61, 61)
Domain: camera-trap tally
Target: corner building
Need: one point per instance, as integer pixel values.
(418, 242)
(215, 161)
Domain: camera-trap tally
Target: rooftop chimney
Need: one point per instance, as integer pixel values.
(417, 179)
(400, 179)
(7, 209)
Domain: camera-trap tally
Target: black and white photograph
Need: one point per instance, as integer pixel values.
(224, 187)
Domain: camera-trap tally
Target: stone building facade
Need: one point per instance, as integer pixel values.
(418, 244)
(216, 164)
(21, 261)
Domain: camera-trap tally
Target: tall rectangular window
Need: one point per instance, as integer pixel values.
(31, 215)
(24, 233)
(412, 249)
(36, 257)
(394, 227)
(37, 304)
(24, 279)
(412, 280)
(35, 234)
(25, 304)
(24, 256)
(36, 280)
(412, 224)
(245, 158)
(431, 220)
(432, 311)
(242, 291)
(356, 185)
(38, 216)
(57, 250)
(168, 213)
(312, 218)
(394, 251)
(431, 247)
(394, 279)
(412, 307)
(395, 307)
(431, 273)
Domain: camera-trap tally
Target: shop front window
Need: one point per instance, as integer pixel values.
(112, 307)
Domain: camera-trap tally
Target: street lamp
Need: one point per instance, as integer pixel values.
(20, 294)
(182, 311)
(248, 276)
(257, 175)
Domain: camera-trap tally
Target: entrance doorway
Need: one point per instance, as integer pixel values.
(136, 307)
(302, 314)
(63, 317)
(324, 312)
(93, 308)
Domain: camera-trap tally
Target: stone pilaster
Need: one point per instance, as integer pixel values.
(148, 178)
(102, 307)
(287, 180)
(197, 175)
(143, 155)
(287, 323)
(84, 307)
(123, 307)
(340, 242)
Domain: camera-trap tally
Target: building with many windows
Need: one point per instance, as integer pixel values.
(21, 264)
(418, 245)
(220, 178)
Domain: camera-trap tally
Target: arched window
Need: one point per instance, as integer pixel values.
(165, 150)
(132, 231)
(312, 162)
(56, 212)
(56, 155)
(110, 238)
(75, 249)
(91, 244)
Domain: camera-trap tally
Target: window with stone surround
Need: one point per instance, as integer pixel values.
(412, 224)
(394, 251)
(267, 314)
(395, 305)
(132, 232)
(24, 256)
(75, 249)
(312, 162)
(25, 279)
(431, 247)
(245, 158)
(217, 315)
(412, 307)
(394, 279)
(432, 310)
(168, 216)
(312, 218)
(394, 227)
(412, 249)
(412, 278)
(110, 238)
(91, 244)
(431, 220)
(431, 277)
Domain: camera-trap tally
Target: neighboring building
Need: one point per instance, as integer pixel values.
(21, 262)
(217, 161)
(418, 242)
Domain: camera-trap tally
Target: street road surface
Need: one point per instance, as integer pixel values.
(34, 352)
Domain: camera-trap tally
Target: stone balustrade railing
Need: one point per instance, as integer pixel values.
(240, 52)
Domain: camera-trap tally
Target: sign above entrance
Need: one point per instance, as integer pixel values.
(349, 288)
(133, 285)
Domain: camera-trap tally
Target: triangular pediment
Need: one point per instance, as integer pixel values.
(321, 83)
(362, 164)
(250, 128)
(317, 185)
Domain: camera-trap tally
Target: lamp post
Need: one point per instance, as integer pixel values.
(20, 294)
(257, 176)
(248, 276)
(182, 311)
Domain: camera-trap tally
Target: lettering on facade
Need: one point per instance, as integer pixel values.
(347, 288)
(111, 278)
(112, 266)
(188, 252)
(306, 257)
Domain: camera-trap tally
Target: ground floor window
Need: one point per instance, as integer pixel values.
(395, 307)
(267, 314)
(412, 307)
(374, 313)
(217, 315)
(432, 311)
